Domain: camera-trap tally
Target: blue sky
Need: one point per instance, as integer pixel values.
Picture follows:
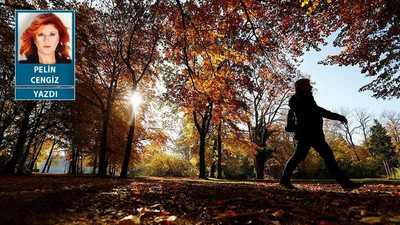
(338, 86)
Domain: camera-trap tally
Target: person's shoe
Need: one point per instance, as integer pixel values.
(351, 186)
(286, 184)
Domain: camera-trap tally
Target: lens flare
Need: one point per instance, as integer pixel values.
(135, 100)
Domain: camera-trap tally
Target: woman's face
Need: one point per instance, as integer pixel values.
(47, 39)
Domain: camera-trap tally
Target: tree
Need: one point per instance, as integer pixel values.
(349, 130)
(8, 107)
(212, 41)
(138, 27)
(205, 78)
(112, 62)
(284, 146)
(11, 111)
(364, 119)
(22, 135)
(368, 33)
(392, 120)
(47, 164)
(268, 102)
(99, 69)
(381, 144)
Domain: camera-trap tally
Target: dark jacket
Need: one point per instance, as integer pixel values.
(34, 58)
(309, 116)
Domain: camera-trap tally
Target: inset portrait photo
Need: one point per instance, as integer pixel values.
(44, 37)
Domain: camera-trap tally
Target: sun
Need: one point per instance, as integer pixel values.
(135, 100)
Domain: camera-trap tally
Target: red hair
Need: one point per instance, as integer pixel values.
(28, 47)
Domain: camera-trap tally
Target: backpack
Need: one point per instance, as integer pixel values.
(291, 122)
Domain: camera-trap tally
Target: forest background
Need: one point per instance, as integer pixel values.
(200, 88)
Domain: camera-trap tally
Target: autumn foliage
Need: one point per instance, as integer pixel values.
(213, 77)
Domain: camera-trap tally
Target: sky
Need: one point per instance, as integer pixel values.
(338, 86)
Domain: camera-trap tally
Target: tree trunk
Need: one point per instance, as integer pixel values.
(19, 147)
(393, 171)
(48, 158)
(203, 130)
(48, 167)
(389, 169)
(70, 168)
(355, 153)
(77, 162)
(5, 124)
(261, 159)
(107, 162)
(73, 162)
(103, 148)
(36, 146)
(31, 137)
(27, 151)
(386, 168)
(36, 156)
(212, 170)
(370, 153)
(125, 164)
(81, 163)
(202, 156)
(214, 161)
(219, 147)
(1, 138)
(110, 169)
(94, 165)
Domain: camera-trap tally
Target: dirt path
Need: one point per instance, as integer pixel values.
(60, 199)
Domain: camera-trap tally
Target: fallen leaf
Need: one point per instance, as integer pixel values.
(164, 213)
(130, 220)
(148, 211)
(395, 219)
(41, 190)
(135, 191)
(278, 213)
(165, 219)
(365, 212)
(155, 206)
(133, 220)
(123, 197)
(370, 220)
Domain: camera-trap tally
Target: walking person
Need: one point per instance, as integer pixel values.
(309, 133)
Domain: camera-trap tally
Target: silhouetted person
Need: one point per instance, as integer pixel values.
(309, 133)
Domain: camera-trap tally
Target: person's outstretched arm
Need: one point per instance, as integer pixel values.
(331, 115)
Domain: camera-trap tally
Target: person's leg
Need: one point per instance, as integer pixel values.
(302, 149)
(326, 153)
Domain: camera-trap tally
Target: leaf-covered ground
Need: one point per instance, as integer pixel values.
(61, 199)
